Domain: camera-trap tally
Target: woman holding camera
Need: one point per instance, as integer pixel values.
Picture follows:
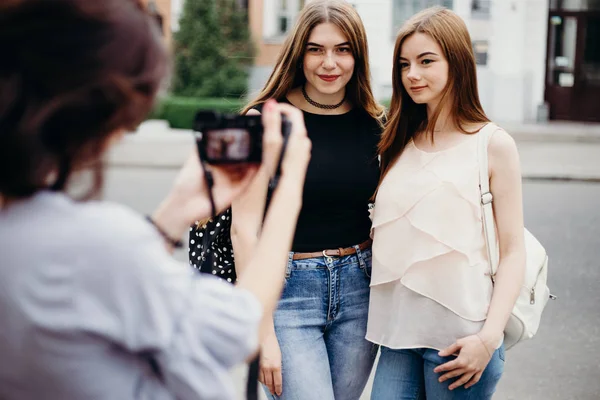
(92, 306)
(316, 348)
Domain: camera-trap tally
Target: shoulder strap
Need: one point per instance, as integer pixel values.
(487, 212)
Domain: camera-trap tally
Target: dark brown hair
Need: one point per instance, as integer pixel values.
(405, 117)
(72, 72)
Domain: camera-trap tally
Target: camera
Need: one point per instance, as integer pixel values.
(231, 138)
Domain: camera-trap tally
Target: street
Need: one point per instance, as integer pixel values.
(561, 362)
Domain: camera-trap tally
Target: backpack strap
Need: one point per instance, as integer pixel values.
(487, 211)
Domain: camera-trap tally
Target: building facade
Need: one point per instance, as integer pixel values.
(270, 22)
(162, 11)
(537, 59)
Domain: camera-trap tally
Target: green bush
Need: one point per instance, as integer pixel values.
(179, 112)
(213, 50)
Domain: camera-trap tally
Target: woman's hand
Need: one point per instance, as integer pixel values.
(474, 354)
(298, 152)
(229, 182)
(188, 200)
(270, 365)
(248, 210)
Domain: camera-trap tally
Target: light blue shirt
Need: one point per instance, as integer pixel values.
(88, 293)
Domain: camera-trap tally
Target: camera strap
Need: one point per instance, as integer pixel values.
(252, 382)
(254, 367)
(210, 182)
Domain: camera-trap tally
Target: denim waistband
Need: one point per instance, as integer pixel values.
(322, 262)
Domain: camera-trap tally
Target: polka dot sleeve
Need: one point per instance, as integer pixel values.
(210, 248)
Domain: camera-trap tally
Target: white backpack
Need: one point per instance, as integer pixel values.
(525, 317)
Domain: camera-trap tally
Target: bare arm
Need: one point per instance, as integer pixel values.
(264, 273)
(270, 255)
(247, 212)
(475, 351)
(506, 188)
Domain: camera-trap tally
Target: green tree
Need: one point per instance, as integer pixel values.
(213, 50)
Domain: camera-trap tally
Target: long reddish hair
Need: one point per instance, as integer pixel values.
(405, 117)
(73, 72)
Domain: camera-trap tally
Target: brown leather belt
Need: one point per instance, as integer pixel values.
(333, 253)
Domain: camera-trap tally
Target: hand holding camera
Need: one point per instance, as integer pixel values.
(297, 151)
(232, 149)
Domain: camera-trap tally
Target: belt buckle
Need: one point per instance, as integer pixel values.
(328, 257)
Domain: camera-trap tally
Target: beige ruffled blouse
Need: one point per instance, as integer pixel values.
(430, 283)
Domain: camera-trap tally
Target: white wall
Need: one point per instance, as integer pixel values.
(269, 18)
(377, 18)
(511, 85)
(536, 40)
(257, 80)
(176, 10)
(517, 59)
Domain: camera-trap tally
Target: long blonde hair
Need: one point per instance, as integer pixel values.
(287, 75)
(405, 116)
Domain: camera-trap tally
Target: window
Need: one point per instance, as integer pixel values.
(287, 11)
(155, 13)
(563, 46)
(480, 48)
(575, 5)
(480, 8)
(402, 10)
(591, 54)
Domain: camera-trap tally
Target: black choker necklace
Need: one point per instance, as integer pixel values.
(319, 105)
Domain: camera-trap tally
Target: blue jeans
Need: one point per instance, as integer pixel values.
(321, 323)
(407, 374)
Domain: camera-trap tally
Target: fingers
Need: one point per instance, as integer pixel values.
(278, 382)
(191, 170)
(449, 366)
(461, 381)
(476, 378)
(448, 351)
(297, 155)
(296, 117)
(296, 160)
(452, 374)
(230, 182)
(236, 172)
(272, 379)
(261, 377)
(468, 366)
(268, 375)
(272, 138)
(271, 364)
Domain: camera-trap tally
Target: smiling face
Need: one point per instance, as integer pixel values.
(424, 69)
(328, 60)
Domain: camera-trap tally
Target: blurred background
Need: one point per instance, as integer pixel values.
(537, 60)
(538, 63)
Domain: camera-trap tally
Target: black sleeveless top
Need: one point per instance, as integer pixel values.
(342, 176)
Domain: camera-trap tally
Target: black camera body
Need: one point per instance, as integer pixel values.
(231, 138)
(228, 138)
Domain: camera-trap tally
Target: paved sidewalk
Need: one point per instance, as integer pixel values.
(555, 131)
(549, 152)
(561, 151)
